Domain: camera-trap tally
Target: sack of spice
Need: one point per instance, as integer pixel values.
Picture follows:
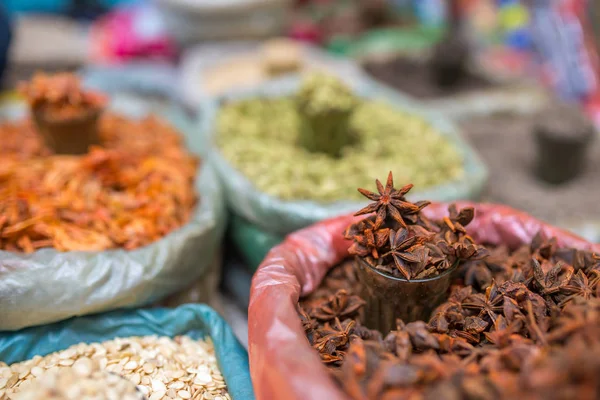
(49, 285)
(285, 164)
(282, 330)
(187, 352)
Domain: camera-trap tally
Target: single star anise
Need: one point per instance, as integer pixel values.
(308, 323)
(456, 221)
(389, 201)
(547, 276)
(542, 248)
(478, 275)
(398, 342)
(578, 286)
(489, 304)
(454, 345)
(335, 337)
(339, 305)
(367, 238)
(402, 250)
(420, 336)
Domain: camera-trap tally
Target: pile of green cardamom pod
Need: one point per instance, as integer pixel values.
(323, 142)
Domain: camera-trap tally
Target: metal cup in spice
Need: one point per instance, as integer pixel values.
(404, 259)
(65, 114)
(563, 135)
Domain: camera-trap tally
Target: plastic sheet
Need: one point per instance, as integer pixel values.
(278, 216)
(282, 363)
(48, 286)
(196, 321)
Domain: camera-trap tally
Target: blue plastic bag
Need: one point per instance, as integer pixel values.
(193, 320)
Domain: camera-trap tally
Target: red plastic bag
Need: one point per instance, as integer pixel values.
(282, 363)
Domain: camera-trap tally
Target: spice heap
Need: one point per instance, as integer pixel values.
(84, 381)
(402, 242)
(520, 323)
(161, 367)
(132, 191)
(60, 96)
(257, 133)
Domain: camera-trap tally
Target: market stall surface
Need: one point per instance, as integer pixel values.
(507, 146)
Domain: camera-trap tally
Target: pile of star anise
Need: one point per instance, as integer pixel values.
(400, 241)
(520, 323)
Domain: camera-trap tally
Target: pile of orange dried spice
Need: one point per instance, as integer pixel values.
(135, 189)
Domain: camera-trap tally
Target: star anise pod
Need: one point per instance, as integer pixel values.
(547, 276)
(336, 357)
(420, 336)
(543, 248)
(398, 342)
(454, 345)
(503, 333)
(390, 202)
(489, 304)
(367, 238)
(339, 305)
(463, 250)
(403, 250)
(583, 260)
(457, 220)
(578, 286)
(478, 275)
(308, 323)
(334, 337)
(438, 323)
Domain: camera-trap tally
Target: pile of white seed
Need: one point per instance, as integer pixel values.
(83, 381)
(160, 367)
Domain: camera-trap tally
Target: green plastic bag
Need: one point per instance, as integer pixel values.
(281, 217)
(48, 286)
(194, 320)
(252, 242)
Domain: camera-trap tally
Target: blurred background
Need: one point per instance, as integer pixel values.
(186, 51)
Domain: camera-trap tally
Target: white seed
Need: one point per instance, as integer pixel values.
(83, 366)
(148, 368)
(161, 367)
(158, 386)
(158, 395)
(130, 366)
